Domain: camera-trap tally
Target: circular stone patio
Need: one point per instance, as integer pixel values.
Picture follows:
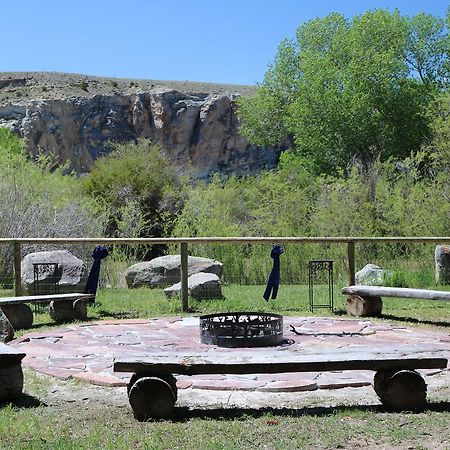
(86, 351)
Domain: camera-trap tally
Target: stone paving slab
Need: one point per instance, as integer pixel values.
(86, 351)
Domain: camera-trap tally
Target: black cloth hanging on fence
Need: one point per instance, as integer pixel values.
(98, 254)
(274, 277)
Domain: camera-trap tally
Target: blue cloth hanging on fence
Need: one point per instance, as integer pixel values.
(98, 254)
(274, 277)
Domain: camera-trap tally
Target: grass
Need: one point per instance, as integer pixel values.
(42, 421)
(87, 426)
(292, 300)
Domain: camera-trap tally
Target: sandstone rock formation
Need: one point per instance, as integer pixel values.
(165, 270)
(200, 286)
(197, 131)
(71, 275)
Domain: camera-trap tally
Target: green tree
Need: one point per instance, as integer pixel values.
(140, 189)
(347, 91)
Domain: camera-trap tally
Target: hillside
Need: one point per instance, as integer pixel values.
(21, 87)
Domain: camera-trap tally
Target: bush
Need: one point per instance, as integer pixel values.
(389, 200)
(139, 188)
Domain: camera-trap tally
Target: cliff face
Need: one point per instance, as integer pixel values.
(197, 131)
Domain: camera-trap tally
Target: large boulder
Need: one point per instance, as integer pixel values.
(372, 275)
(71, 275)
(442, 264)
(200, 286)
(6, 329)
(166, 270)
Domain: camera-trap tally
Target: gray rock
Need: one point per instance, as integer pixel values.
(6, 330)
(165, 270)
(372, 275)
(442, 264)
(71, 277)
(200, 286)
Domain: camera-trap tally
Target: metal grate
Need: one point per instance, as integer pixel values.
(49, 279)
(45, 275)
(320, 271)
(242, 329)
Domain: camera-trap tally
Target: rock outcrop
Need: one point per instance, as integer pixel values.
(197, 131)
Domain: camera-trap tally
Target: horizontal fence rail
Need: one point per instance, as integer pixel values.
(350, 241)
(240, 239)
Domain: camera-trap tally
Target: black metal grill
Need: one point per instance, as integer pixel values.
(242, 329)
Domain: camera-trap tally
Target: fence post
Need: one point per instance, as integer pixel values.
(351, 263)
(184, 277)
(17, 269)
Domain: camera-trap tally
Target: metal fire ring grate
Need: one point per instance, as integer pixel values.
(242, 329)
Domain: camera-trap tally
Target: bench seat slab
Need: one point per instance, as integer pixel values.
(383, 291)
(278, 362)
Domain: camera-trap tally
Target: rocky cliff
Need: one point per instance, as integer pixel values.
(77, 118)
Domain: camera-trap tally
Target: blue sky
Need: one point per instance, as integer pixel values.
(228, 41)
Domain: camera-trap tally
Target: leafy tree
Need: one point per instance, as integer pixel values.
(347, 91)
(440, 125)
(140, 189)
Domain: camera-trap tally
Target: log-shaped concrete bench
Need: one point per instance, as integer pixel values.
(11, 375)
(62, 307)
(366, 300)
(152, 390)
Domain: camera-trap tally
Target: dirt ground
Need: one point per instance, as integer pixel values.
(59, 395)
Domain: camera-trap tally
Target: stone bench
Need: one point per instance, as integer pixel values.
(152, 390)
(11, 375)
(62, 307)
(366, 300)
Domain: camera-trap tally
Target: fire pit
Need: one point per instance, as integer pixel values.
(242, 329)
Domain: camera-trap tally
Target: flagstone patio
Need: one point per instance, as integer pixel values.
(85, 351)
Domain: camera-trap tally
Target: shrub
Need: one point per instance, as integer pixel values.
(140, 189)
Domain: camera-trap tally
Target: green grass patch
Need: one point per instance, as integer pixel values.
(125, 303)
(323, 428)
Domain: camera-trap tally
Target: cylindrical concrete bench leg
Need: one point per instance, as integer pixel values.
(11, 380)
(68, 310)
(400, 390)
(364, 306)
(20, 315)
(152, 397)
